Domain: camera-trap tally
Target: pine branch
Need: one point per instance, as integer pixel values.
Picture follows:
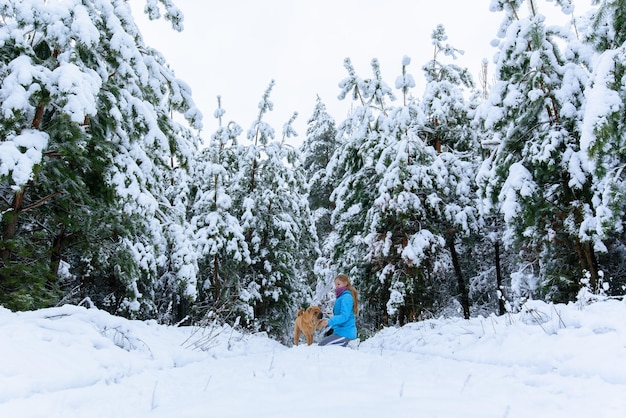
(41, 201)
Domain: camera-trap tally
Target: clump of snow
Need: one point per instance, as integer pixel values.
(20, 154)
(519, 183)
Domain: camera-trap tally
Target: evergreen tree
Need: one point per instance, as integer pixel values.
(219, 237)
(270, 194)
(316, 152)
(176, 288)
(536, 173)
(603, 132)
(425, 196)
(87, 140)
(445, 99)
(449, 131)
(354, 168)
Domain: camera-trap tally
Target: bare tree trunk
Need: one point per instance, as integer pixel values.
(592, 264)
(57, 245)
(9, 230)
(216, 278)
(464, 295)
(587, 259)
(10, 226)
(500, 288)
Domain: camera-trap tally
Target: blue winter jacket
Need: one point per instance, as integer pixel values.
(343, 321)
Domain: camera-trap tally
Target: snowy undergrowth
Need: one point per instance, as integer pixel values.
(545, 336)
(89, 346)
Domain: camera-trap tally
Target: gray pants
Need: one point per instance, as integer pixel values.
(334, 339)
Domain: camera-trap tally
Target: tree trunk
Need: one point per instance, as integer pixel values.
(252, 175)
(9, 230)
(500, 289)
(10, 226)
(588, 262)
(57, 244)
(464, 295)
(216, 278)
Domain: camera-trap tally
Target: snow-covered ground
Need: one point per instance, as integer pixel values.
(548, 361)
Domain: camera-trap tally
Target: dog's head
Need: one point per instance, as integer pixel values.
(315, 312)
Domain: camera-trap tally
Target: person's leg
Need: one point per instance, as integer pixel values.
(334, 339)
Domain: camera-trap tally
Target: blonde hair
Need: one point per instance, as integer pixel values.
(343, 278)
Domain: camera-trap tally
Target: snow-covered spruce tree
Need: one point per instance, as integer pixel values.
(353, 169)
(445, 99)
(175, 290)
(447, 104)
(270, 196)
(603, 133)
(87, 140)
(219, 239)
(425, 196)
(402, 254)
(315, 153)
(535, 174)
(493, 263)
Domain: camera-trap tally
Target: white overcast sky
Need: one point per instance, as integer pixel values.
(235, 48)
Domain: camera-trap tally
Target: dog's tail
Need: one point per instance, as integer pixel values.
(300, 312)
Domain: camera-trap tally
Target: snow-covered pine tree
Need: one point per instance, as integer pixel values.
(536, 175)
(425, 195)
(450, 101)
(270, 196)
(315, 154)
(176, 289)
(87, 140)
(353, 168)
(448, 129)
(603, 133)
(401, 250)
(221, 246)
(445, 99)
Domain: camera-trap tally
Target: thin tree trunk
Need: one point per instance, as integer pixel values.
(464, 295)
(57, 244)
(10, 226)
(252, 176)
(216, 278)
(592, 264)
(588, 262)
(8, 232)
(500, 288)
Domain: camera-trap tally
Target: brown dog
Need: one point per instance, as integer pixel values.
(306, 323)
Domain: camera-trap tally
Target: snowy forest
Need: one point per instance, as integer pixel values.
(466, 199)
